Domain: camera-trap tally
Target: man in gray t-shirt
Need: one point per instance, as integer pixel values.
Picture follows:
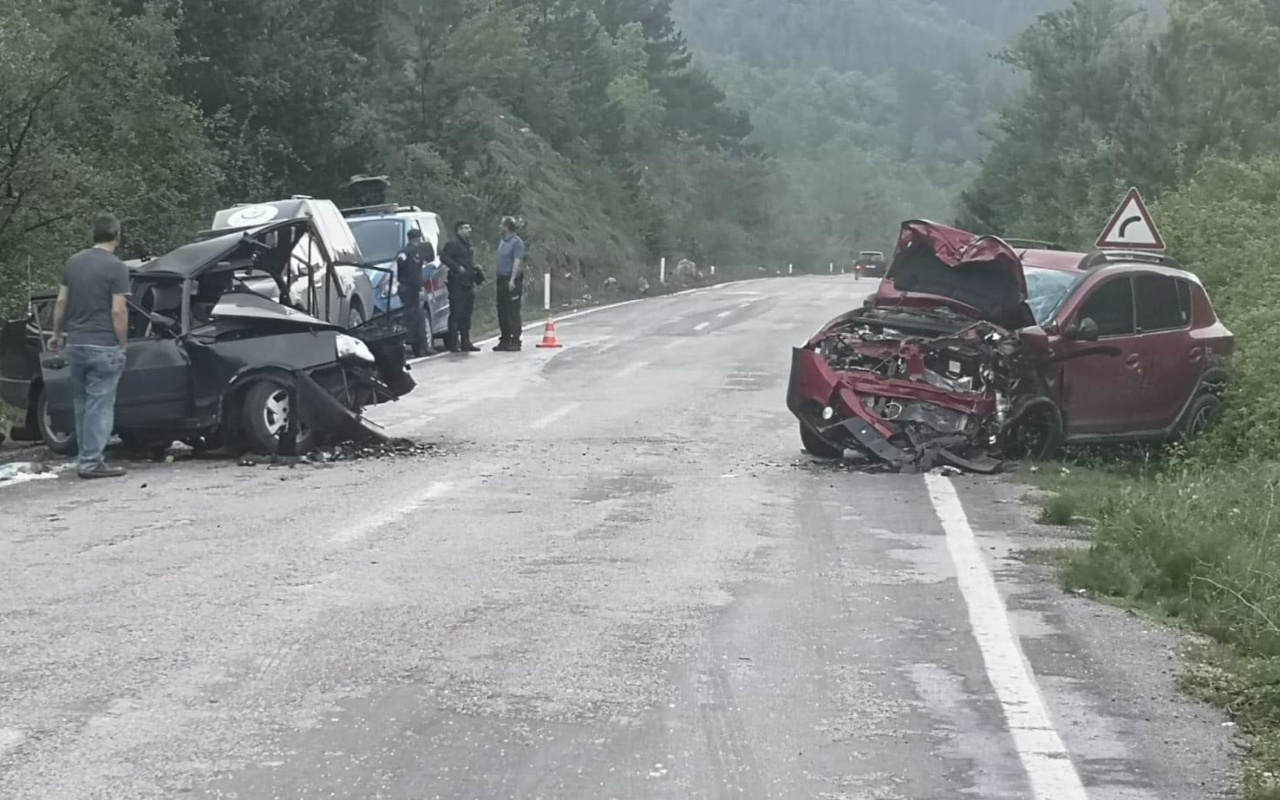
(91, 309)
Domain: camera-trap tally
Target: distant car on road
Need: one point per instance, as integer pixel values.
(872, 263)
(971, 351)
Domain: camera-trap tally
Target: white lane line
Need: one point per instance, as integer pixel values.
(631, 369)
(724, 314)
(701, 326)
(674, 343)
(747, 304)
(1040, 748)
(388, 516)
(555, 416)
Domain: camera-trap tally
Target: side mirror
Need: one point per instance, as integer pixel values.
(1082, 330)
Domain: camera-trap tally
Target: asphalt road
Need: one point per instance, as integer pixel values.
(620, 578)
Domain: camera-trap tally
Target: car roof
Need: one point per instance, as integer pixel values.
(1051, 259)
(1109, 260)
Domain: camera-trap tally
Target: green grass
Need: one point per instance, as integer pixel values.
(1199, 547)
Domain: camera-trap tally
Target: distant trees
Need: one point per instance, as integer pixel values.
(166, 111)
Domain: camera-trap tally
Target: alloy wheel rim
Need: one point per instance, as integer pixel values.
(54, 434)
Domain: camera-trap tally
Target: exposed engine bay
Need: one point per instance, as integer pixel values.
(971, 399)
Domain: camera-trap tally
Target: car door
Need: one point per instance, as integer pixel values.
(1172, 358)
(155, 389)
(437, 288)
(1102, 394)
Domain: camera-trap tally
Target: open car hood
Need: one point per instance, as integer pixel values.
(936, 265)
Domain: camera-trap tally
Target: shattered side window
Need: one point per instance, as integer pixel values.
(1111, 307)
(1046, 289)
(1159, 306)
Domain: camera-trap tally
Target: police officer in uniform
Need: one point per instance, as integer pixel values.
(464, 276)
(411, 265)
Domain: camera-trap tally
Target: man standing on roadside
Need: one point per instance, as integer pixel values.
(510, 272)
(464, 276)
(91, 307)
(411, 265)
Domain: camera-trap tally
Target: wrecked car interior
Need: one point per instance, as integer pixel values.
(941, 368)
(215, 364)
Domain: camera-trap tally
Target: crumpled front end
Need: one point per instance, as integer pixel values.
(909, 404)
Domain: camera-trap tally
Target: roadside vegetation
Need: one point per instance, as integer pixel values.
(586, 118)
(1186, 110)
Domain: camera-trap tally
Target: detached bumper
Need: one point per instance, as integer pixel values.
(814, 388)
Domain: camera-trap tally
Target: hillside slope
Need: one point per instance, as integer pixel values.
(878, 110)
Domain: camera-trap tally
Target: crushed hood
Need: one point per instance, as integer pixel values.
(246, 305)
(980, 276)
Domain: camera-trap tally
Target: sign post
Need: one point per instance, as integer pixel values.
(546, 291)
(1131, 227)
(662, 270)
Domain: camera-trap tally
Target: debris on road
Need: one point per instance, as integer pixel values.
(16, 472)
(362, 450)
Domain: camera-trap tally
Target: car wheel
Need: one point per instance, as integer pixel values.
(355, 318)
(62, 443)
(1036, 432)
(266, 415)
(816, 446)
(1203, 414)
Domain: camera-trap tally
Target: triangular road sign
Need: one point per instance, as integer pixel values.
(1131, 227)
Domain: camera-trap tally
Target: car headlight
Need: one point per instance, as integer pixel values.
(351, 347)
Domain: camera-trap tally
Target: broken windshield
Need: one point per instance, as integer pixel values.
(1046, 289)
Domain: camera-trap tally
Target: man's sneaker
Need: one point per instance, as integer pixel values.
(101, 470)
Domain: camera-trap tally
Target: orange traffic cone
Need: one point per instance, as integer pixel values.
(549, 335)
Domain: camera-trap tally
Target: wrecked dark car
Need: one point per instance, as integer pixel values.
(971, 356)
(214, 364)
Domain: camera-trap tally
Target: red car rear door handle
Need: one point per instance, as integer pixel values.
(1132, 360)
(1196, 354)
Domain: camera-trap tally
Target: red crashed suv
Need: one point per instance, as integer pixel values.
(973, 352)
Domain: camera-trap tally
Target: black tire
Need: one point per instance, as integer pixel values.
(63, 444)
(1036, 431)
(816, 446)
(1203, 414)
(265, 415)
(355, 317)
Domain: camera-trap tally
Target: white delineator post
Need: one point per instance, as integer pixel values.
(789, 268)
(662, 270)
(831, 268)
(546, 292)
(713, 270)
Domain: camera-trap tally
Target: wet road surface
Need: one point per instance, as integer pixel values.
(619, 578)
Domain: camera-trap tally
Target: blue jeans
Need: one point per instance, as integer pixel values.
(95, 373)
